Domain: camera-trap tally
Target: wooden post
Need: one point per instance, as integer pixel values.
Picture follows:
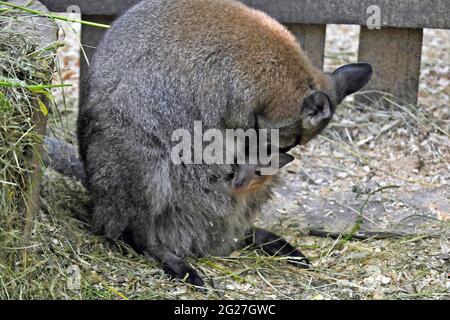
(34, 163)
(395, 54)
(312, 40)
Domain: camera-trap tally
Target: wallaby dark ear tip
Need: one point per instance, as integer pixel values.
(289, 157)
(366, 68)
(285, 159)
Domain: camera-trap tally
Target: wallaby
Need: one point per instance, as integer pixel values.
(250, 177)
(63, 157)
(165, 64)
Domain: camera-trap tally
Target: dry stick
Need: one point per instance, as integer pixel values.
(376, 235)
(33, 192)
(383, 130)
(361, 235)
(270, 285)
(364, 159)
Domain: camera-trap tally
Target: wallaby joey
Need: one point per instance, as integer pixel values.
(251, 177)
(165, 64)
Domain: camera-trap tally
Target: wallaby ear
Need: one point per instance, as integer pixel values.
(278, 161)
(316, 110)
(350, 78)
(283, 159)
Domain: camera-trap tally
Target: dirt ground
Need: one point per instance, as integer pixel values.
(381, 170)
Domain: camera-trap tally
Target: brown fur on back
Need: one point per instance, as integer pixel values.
(265, 59)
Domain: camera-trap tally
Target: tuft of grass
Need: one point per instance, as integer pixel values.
(50, 15)
(25, 73)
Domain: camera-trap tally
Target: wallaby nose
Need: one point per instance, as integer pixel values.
(239, 183)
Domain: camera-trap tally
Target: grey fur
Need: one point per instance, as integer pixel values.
(63, 157)
(149, 77)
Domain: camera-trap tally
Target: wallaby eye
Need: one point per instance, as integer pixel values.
(258, 173)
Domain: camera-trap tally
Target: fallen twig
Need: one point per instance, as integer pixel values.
(360, 235)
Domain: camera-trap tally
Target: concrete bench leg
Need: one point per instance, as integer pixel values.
(312, 40)
(395, 55)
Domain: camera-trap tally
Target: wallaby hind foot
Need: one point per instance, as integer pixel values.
(177, 268)
(174, 266)
(180, 269)
(275, 245)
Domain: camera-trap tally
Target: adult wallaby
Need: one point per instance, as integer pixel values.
(165, 64)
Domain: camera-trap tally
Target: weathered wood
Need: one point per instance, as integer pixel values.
(33, 189)
(90, 38)
(91, 7)
(40, 29)
(399, 13)
(395, 55)
(312, 40)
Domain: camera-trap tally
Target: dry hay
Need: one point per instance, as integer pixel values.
(25, 68)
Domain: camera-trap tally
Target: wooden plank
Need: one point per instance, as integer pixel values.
(90, 38)
(395, 55)
(312, 40)
(399, 13)
(91, 7)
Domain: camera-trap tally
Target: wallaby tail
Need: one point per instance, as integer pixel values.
(64, 158)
